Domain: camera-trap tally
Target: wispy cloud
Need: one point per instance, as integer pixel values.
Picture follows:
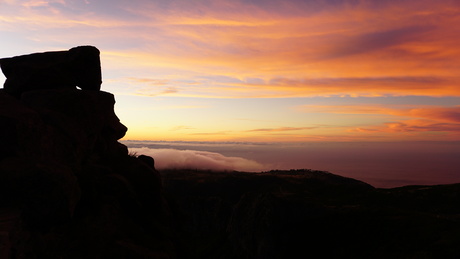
(150, 81)
(157, 92)
(216, 133)
(281, 129)
(182, 127)
(179, 107)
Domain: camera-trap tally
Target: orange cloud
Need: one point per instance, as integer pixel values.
(445, 114)
(293, 48)
(423, 119)
(150, 81)
(333, 52)
(281, 129)
(409, 126)
(436, 113)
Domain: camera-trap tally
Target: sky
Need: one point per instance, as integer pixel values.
(267, 72)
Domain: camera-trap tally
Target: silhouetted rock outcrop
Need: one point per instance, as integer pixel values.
(68, 188)
(79, 66)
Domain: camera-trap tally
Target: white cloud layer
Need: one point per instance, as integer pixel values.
(193, 159)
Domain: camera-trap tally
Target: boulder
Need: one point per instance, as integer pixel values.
(79, 66)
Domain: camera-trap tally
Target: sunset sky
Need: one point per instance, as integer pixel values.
(287, 71)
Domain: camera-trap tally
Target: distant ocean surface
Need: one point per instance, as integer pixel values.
(384, 165)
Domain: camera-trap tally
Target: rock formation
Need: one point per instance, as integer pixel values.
(79, 66)
(68, 188)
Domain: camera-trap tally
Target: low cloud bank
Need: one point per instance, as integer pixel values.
(193, 159)
(381, 164)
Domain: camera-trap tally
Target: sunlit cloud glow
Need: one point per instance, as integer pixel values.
(296, 48)
(410, 119)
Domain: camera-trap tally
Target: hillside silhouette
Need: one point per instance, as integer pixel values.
(69, 189)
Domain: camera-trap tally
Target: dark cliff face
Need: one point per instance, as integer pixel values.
(68, 188)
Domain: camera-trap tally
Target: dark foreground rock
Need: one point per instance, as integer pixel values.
(312, 214)
(68, 188)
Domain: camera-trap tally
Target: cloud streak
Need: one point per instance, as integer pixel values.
(438, 113)
(421, 119)
(281, 129)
